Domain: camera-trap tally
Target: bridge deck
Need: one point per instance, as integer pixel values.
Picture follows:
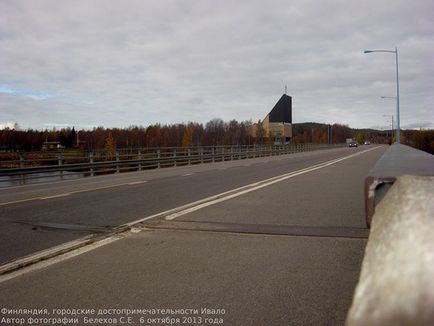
(271, 277)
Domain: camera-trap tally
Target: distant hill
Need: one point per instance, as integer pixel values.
(307, 125)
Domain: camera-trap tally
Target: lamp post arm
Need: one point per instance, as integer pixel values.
(388, 51)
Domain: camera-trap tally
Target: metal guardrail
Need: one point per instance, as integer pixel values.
(57, 164)
(397, 161)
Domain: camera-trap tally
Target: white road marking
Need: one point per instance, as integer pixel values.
(187, 174)
(42, 259)
(137, 182)
(176, 212)
(55, 196)
(51, 261)
(257, 185)
(69, 193)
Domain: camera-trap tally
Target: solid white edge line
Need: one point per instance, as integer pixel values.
(71, 193)
(56, 259)
(239, 189)
(259, 185)
(198, 202)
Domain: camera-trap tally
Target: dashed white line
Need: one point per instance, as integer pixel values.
(55, 196)
(137, 182)
(187, 174)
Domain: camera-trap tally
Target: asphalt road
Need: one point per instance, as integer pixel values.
(231, 253)
(37, 217)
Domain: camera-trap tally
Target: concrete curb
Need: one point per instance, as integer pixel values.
(396, 284)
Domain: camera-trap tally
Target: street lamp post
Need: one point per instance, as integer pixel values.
(391, 130)
(398, 133)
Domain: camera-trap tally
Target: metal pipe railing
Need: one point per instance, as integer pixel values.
(102, 162)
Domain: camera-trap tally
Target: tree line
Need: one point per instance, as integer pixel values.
(216, 132)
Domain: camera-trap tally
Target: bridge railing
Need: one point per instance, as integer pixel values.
(398, 160)
(21, 168)
(396, 283)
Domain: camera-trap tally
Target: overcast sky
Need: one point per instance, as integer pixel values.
(88, 63)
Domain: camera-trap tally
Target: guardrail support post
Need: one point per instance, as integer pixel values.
(189, 154)
(91, 161)
(117, 160)
(158, 158)
(174, 157)
(23, 176)
(21, 160)
(140, 158)
(60, 163)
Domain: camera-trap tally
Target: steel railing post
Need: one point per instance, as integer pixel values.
(60, 163)
(23, 176)
(140, 159)
(117, 161)
(91, 162)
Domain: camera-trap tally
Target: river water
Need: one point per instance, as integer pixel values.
(11, 181)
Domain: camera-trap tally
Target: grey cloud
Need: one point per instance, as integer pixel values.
(138, 62)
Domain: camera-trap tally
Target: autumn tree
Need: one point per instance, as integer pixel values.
(153, 134)
(187, 138)
(232, 134)
(340, 133)
(245, 132)
(110, 146)
(67, 137)
(261, 134)
(360, 138)
(214, 132)
(96, 138)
